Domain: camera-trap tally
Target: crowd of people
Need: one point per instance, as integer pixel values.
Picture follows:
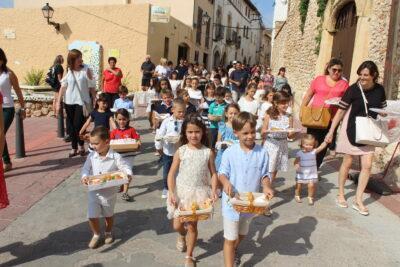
(218, 133)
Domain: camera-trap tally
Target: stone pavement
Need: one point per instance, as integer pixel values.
(44, 167)
(54, 232)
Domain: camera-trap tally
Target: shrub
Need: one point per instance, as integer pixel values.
(34, 77)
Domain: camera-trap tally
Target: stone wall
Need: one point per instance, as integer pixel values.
(296, 50)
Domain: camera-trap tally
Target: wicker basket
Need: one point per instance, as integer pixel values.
(194, 217)
(251, 208)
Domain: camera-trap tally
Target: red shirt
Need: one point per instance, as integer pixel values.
(112, 82)
(322, 91)
(129, 132)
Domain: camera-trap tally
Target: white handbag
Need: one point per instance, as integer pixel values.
(370, 131)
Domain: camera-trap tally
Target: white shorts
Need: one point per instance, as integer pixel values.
(232, 229)
(101, 207)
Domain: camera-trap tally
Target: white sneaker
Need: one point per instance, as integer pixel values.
(164, 193)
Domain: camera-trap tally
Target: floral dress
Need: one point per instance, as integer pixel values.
(277, 145)
(227, 134)
(193, 183)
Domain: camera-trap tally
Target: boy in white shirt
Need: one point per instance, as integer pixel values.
(101, 202)
(171, 126)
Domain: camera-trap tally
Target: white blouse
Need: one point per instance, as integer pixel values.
(72, 95)
(249, 106)
(5, 89)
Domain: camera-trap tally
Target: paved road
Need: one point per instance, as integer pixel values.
(54, 232)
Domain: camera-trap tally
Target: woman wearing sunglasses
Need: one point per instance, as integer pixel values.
(324, 87)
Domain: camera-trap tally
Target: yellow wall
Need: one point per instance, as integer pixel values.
(64, 3)
(122, 27)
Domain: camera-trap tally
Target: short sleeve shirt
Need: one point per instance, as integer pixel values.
(112, 82)
(239, 76)
(129, 132)
(245, 170)
(353, 98)
(58, 69)
(147, 68)
(322, 91)
(101, 118)
(216, 109)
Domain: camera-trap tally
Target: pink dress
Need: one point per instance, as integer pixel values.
(3, 189)
(343, 144)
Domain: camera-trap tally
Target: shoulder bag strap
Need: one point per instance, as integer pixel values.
(79, 89)
(364, 99)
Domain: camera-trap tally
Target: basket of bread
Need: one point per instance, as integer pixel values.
(197, 211)
(250, 202)
(106, 180)
(124, 145)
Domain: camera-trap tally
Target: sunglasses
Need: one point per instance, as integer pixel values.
(334, 70)
(176, 126)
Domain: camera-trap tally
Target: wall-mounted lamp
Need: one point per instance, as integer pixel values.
(48, 14)
(206, 18)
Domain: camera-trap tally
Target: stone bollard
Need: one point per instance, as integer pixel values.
(19, 135)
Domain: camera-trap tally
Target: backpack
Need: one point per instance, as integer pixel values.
(51, 78)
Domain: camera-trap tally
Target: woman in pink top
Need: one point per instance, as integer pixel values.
(324, 87)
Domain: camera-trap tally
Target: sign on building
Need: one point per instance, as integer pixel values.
(9, 33)
(160, 14)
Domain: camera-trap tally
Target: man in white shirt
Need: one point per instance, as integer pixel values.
(101, 202)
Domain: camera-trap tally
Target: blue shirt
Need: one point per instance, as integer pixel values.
(123, 103)
(245, 171)
(216, 109)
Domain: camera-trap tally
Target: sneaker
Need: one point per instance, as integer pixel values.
(164, 193)
(236, 260)
(94, 242)
(67, 139)
(268, 212)
(127, 197)
(108, 238)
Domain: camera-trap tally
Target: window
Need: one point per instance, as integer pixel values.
(166, 47)
(199, 25)
(196, 56)
(205, 60)
(229, 28)
(208, 27)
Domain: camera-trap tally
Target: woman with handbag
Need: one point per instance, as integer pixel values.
(317, 116)
(366, 93)
(77, 88)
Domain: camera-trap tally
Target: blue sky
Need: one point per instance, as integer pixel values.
(6, 3)
(266, 9)
(264, 6)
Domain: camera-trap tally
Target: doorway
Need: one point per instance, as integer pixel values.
(343, 41)
(217, 59)
(183, 52)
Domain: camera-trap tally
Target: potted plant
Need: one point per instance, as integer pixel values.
(34, 81)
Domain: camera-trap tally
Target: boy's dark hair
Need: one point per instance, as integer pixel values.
(178, 102)
(240, 120)
(183, 92)
(279, 97)
(194, 119)
(123, 89)
(286, 88)
(101, 132)
(217, 76)
(220, 91)
(123, 112)
(112, 59)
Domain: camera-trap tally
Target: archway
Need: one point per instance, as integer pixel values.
(345, 35)
(216, 59)
(183, 51)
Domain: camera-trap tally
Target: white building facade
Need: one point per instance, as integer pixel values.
(236, 33)
(280, 15)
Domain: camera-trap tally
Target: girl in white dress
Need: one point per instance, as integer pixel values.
(276, 124)
(306, 166)
(248, 102)
(196, 181)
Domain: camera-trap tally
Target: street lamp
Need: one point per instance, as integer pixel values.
(48, 14)
(206, 18)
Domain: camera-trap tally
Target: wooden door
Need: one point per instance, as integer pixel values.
(343, 42)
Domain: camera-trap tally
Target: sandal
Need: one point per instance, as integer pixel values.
(7, 167)
(190, 263)
(72, 154)
(181, 243)
(363, 211)
(342, 203)
(310, 201)
(82, 152)
(298, 199)
(127, 197)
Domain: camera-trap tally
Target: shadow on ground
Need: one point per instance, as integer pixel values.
(75, 238)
